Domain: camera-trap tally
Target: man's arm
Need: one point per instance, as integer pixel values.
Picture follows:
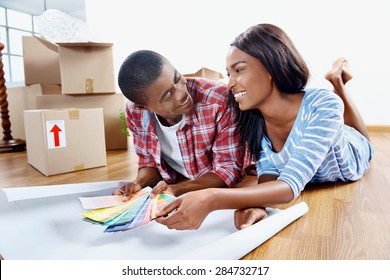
(148, 176)
(208, 180)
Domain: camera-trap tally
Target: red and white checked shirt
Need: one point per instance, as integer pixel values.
(207, 140)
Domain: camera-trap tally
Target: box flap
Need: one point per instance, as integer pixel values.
(84, 44)
(206, 73)
(47, 44)
(41, 61)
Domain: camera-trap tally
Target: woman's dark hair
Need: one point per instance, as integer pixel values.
(137, 73)
(290, 74)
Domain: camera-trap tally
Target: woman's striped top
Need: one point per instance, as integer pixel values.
(319, 148)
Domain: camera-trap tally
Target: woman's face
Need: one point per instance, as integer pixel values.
(249, 81)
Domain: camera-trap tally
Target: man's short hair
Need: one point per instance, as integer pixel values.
(137, 73)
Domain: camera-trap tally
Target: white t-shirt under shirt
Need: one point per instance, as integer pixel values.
(170, 148)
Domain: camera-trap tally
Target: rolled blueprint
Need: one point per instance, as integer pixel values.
(240, 243)
(46, 223)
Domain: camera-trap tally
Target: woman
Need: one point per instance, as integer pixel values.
(301, 135)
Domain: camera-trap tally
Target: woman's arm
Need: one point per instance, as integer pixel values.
(246, 217)
(262, 195)
(193, 207)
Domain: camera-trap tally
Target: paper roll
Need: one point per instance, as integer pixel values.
(238, 244)
(21, 193)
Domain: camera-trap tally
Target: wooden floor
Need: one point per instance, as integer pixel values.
(345, 221)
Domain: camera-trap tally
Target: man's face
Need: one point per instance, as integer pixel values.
(168, 96)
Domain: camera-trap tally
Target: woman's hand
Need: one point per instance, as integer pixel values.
(246, 217)
(188, 211)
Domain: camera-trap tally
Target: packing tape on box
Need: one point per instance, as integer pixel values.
(74, 114)
(79, 167)
(89, 85)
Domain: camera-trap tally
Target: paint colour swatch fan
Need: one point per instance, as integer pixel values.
(110, 211)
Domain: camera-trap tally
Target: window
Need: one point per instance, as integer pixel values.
(14, 25)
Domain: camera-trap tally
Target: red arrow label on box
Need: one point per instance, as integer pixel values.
(56, 132)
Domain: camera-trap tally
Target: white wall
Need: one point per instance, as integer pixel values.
(192, 34)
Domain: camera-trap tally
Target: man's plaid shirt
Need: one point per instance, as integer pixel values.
(207, 140)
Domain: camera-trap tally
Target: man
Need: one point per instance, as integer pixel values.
(183, 129)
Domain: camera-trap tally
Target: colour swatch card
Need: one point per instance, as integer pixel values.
(103, 201)
(139, 210)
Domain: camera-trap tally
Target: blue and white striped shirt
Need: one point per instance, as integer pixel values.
(319, 148)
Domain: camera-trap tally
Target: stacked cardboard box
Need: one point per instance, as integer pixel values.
(80, 68)
(62, 76)
(65, 140)
(112, 104)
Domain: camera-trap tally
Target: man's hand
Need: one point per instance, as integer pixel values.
(161, 187)
(246, 217)
(127, 190)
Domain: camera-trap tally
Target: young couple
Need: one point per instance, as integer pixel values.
(195, 137)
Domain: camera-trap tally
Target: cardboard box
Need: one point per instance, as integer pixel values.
(51, 89)
(112, 105)
(86, 68)
(19, 99)
(30, 97)
(206, 73)
(65, 140)
(80, 68)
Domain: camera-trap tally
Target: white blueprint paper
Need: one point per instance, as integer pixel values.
(46, 223)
